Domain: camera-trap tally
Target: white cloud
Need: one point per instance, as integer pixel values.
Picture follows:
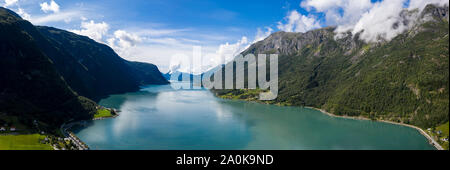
(126, 39)
(10, 3)
(378, 22)
(153, 47)
(159, 32)
(374, 20)
(225, 53)
(156, 45)
(56, 17)
(228, 51)
(339, 12)
(159, 45)
(211, 56)
(420, 4)
(297, 22)
(321, 5)
(124, 42)
(260, 35)
(50, 7)
(93, 30)
(23, 14)
(159, 51)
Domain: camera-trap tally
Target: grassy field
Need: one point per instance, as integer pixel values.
(23, 142)
(102, 113)
(242, 94)
(438, 137)
(444, 128)
(247, 95)
(12, 120)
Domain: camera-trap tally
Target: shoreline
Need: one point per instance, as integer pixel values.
(66, 131)
(431, 141)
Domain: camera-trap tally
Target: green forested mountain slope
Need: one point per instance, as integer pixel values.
(44, 72)
(30, 86)
(405, 79)
(146, 73)
(93, 69)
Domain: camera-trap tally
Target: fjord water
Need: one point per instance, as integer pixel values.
(160, 118)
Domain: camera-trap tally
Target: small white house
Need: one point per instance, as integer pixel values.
(12, 129)
(2, 129)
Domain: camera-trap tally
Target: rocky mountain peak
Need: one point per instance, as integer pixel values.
(435, 12)
(290, 42)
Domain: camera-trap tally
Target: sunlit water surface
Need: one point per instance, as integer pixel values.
(160, 118)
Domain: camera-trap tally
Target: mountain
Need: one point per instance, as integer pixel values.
(168, 75)
(93, 69)
(45, 72)
(147, 73)
(31, 87)
(405, 79)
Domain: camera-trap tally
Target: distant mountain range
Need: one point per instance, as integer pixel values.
(404, 80)
(180, 75)
(45, 72)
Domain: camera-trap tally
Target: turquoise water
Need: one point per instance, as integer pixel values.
(160, 118)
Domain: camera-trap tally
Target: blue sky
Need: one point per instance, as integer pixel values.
(208, 23)
(235, 17)
(154, 30)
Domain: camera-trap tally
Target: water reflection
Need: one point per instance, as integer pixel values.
(158, 117)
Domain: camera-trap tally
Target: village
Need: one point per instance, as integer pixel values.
(440, 134)
(70, 137)
(15, 135)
